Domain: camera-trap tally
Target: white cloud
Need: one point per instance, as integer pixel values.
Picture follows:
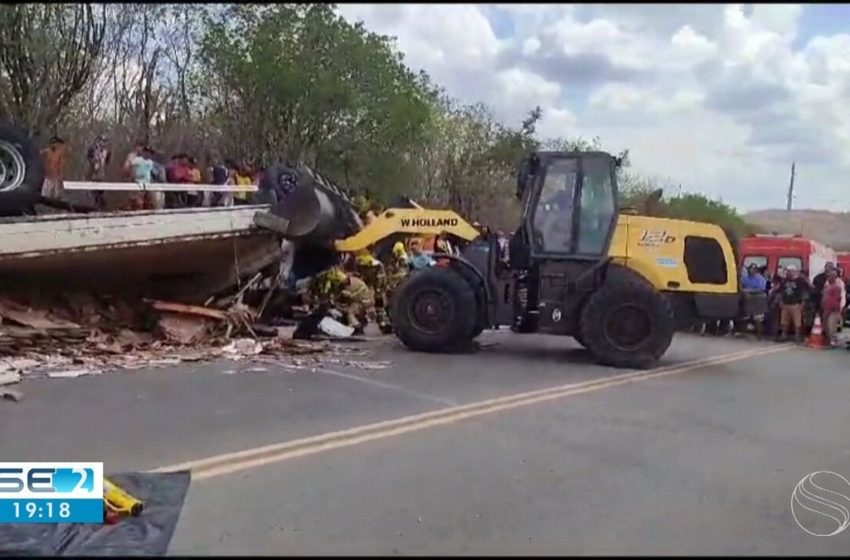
(718, 97)
(692, 46)
(557, 123)
(531, 46)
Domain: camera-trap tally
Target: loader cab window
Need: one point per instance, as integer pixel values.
(705, 260)
(553, 212)
(597, 206)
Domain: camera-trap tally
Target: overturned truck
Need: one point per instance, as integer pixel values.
(187, 253)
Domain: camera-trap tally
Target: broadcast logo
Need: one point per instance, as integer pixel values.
(820, 503)
(51, 492)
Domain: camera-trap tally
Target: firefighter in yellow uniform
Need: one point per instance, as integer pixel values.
(397, 268)
(357, 302)
(372, 272)
(344, 292)
(325, 287)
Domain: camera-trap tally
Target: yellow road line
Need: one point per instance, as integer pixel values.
(251, 458)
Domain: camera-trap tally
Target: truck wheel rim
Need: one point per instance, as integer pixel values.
(12, 166)
(627, 327)
(431, 311)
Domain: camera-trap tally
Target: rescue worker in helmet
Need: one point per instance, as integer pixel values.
(345, 292)
(324, 287)
(400, 255)
(397, 268)
(372, 272)
(356, 301)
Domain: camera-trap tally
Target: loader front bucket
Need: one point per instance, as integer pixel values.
(317, 211)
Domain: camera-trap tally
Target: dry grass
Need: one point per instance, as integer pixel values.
(831, 228)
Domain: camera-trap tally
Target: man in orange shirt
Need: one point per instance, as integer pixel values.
(55, 158)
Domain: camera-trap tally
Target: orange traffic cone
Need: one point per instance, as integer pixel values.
(816, 338)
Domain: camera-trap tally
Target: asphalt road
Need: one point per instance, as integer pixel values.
(524, 447)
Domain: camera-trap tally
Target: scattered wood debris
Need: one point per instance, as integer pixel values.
(82, 335)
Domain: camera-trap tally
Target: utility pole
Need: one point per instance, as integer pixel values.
(791, 188)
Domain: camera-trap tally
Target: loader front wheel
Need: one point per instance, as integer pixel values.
(435, 310)
(627, 323)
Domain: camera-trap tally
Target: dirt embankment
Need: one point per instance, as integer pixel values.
(831, 228)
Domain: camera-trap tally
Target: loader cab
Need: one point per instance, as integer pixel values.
(569, 205)
(569, 213)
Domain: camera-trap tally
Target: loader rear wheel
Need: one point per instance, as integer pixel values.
(627, 323)
(435, 310)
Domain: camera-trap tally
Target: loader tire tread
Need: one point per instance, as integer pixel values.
(624, 300)
(445, 289)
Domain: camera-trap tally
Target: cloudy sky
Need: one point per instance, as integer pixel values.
(719, 98)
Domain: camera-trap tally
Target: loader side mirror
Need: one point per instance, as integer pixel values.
(522, 177)
(527, 168)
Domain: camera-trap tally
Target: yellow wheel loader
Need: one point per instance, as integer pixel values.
(308, 208)
(619, 283)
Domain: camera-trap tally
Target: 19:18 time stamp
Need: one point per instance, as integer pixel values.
(41, 509)
(60, 492)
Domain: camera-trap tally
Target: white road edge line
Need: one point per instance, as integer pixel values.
(376, 383)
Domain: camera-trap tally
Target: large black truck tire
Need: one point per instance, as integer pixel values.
(21, 172)
(627, 323)
(435, 310)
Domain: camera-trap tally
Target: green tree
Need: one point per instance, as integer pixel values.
(299, 82)
(48, 54)
(469, 162)
(700, 208)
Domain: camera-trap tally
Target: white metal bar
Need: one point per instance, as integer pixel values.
(167, 187)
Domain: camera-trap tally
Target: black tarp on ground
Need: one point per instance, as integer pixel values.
(146, 535)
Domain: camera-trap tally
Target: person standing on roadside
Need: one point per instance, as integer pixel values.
(138, 150)
(243, 178)
(97, 158)
(817, 285)
(195, 198)
(832, 304)
(55, 158)
(218, 175)
(154, 199)
(178, 174)
(793, 291)
(754, 282)
(141, 169)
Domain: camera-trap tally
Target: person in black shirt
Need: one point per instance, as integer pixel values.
(792, 292)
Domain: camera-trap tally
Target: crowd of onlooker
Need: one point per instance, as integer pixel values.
(794, 302)
(144, 164)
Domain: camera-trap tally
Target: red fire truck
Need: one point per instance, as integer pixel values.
(775, 252)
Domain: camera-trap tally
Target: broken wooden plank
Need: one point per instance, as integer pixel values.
(188, 309)
(33, 318)
(182, 328)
